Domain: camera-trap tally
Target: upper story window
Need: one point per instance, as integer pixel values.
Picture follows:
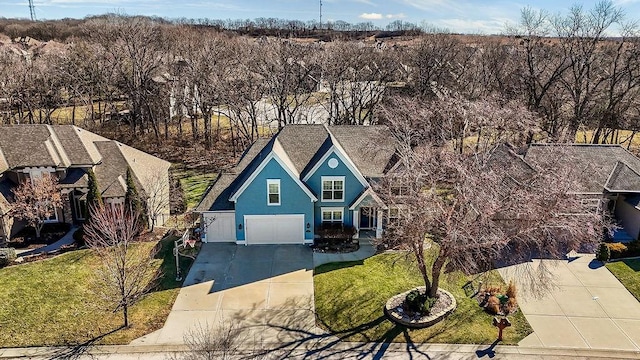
(333, 188)
(273, 191)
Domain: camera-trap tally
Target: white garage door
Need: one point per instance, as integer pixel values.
(219, 226)
(274, 229)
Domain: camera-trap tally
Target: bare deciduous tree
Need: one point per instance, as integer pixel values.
(127, 271)
(157, 192)
(475, 208)
(36, 201)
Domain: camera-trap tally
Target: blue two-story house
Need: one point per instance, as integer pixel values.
(286, 187)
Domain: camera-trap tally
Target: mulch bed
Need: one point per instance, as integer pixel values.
(396, 310)
(26, 238)
(335, 246)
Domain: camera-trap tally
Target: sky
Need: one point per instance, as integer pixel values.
(462, 16)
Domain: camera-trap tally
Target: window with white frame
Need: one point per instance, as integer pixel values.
(394, 214)
(332, 215)
(273, 192)
(333, 188)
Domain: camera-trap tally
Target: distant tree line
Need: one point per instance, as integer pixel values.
(63, 29)
(173, 80)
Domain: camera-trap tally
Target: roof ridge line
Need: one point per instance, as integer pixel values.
(337, 144)
(576, 144)
(62, 154)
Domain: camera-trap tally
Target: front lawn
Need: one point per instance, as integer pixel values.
(50, 302)
(349, 299)
(628, 272)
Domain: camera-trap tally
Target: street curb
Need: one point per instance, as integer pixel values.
(17, 353)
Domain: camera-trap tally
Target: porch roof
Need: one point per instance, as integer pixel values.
(367, 193)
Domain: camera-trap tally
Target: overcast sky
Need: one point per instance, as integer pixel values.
(464, 16)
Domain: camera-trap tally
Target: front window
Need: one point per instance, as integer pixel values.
(273, 192)
(333, 188)
(394, 214)
(80, 206)
(332, 215)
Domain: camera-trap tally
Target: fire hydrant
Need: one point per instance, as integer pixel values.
(501, 324)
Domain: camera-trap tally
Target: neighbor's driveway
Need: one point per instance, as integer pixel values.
(589, 308)
(265, 289)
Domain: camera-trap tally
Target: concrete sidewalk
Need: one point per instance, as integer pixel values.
(587, 309)
(365, 251)
(67, 239)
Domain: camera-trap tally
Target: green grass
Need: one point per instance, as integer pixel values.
(349, 299)
(628, 272)
(194, 185)
(51, 302)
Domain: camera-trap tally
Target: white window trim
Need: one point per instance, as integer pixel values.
(277, 182)
(55, 218)
(77, 205)
(332, 210)
(332, 179)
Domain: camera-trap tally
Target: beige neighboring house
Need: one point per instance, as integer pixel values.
(68, 152)
(601, 171)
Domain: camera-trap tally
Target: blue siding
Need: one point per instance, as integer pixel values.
(253, 201)
(353, 188)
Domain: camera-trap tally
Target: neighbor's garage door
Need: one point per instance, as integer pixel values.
(219, 226)
(274, 229)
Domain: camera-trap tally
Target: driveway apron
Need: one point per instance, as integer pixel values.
(266, 291)
(588, 308)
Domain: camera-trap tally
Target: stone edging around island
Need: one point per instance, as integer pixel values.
(390, 310)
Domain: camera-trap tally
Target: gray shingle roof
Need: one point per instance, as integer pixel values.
(111, 172)
(28, 145)
(623, 179)
(592, 165)
(369, 147)
(217, 196)
(301, 142)
(76, 178)
(73, 147)
(249, 155)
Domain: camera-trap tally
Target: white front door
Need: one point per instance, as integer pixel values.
(274, 229)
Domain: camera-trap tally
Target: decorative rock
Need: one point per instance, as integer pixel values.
(444, 306)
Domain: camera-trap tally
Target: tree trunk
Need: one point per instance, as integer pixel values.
(38, 228)
(422, 266)
(125, 315)
(436, 269)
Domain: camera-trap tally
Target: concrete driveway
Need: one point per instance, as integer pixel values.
(588, 309)
(267, 290)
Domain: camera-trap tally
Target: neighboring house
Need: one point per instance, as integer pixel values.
(608, 171)
(286, 187)
(68, 152)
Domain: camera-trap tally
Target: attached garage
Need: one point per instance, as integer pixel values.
(274, 229)
(219, 226)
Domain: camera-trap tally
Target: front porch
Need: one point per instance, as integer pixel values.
(368, 212)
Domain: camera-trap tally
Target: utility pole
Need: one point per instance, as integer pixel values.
(320, 14)
(32, 10)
